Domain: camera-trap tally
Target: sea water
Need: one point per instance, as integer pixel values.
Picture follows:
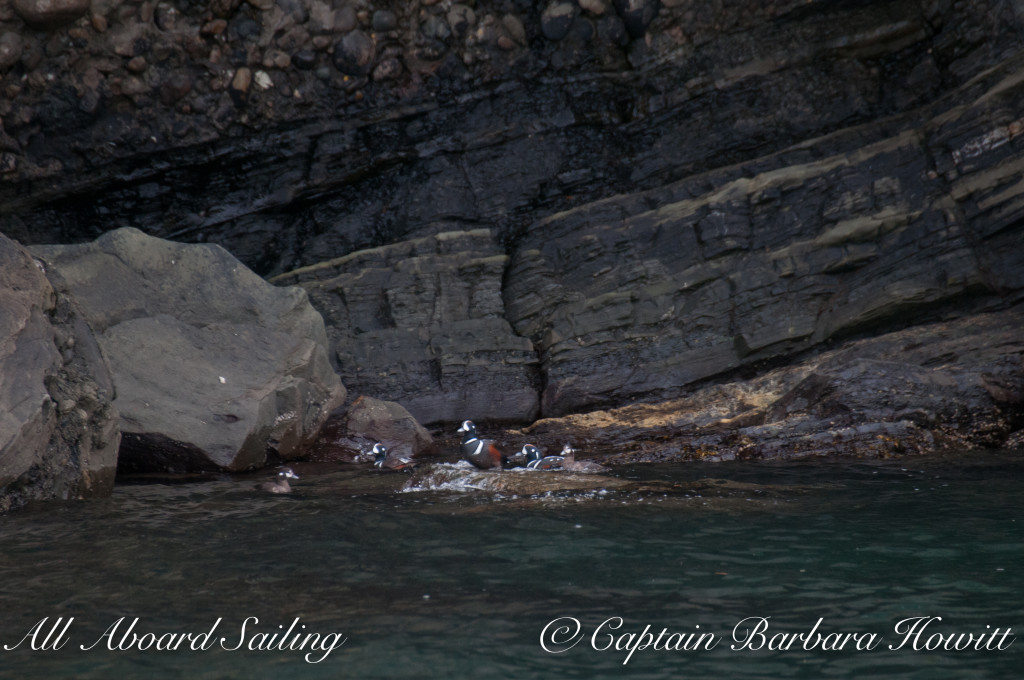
(905, 568)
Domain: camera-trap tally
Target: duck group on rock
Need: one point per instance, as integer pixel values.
(535, 460)
(486, 454)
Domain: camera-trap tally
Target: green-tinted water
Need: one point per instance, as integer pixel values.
(461, 584)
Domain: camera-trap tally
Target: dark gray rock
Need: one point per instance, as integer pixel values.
(354, 53)
(213, 367)
(58, 429)
(390, 424)
(611, 29)
(49, 13)
(556, 19)
(741, 184)
(436, 28)
(349, 434)
(637, 14)
(10, 49)
(461, 18)
(384, 20)
(421, 323)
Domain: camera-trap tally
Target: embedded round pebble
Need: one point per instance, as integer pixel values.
(384, 20)
(354, 53)
(556, 20)
(637, 14)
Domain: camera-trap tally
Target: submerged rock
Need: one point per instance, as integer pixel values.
(58, 428)
(213, 367)
(463, 477)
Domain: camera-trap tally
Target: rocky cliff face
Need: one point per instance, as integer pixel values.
(509, 208)
(643, 294)
(422, 322)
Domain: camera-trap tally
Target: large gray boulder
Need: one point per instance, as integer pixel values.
(58, 429)
(214, 367)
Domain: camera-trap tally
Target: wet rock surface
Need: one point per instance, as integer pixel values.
(646, 196)
(951, 385)
(213, 367)
(350, 433)
(58, 427)
(463, 477)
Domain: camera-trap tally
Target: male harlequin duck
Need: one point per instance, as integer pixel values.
(382, 460)
(535, 460)
(569, 462)
(483, 453)
(280, 484)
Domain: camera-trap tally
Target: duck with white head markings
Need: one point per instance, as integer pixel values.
(483, 453)
(385, 460)
(280, 483)
(570, 463)
(535, 460)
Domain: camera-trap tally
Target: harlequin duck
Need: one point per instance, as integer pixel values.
(280, 483)
(483, 453)
(569, 462)
(535, 460)
(382, 460)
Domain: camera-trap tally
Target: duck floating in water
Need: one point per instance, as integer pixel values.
(483, 453)
(570, 463)
(383, 460)
(535, 460)
(280, 483)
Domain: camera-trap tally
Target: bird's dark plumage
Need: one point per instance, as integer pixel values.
(483, 453)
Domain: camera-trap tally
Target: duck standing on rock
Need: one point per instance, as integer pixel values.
(483, 453)
(383, 460)
(280, 483)
(570, 463)
(535, 460)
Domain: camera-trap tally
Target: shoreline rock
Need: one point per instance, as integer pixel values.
(349, 434)
(214, 368)
(947, 385)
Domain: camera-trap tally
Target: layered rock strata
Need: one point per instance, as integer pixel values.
(422, 322)
(645, 294)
